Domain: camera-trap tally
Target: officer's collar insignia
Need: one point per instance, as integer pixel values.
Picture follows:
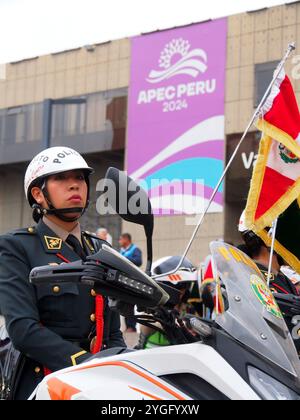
(266, 274)
(53, 243)
(89, 244)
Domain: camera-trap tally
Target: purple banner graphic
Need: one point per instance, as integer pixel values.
(176, 115)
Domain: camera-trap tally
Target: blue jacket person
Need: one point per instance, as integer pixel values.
(53, 326)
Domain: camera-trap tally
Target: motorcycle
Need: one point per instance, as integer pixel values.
(246, 353)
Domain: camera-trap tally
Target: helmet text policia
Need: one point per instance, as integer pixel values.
(53, 161)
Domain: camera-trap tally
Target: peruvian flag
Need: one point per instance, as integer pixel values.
(276, 178)
(209, 279)
(207, 274)
(280, 117)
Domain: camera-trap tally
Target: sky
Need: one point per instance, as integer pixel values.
(30, 28)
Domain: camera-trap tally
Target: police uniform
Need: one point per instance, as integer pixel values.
(279, 283)
(51, 325)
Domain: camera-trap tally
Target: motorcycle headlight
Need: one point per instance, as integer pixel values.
(269, 388)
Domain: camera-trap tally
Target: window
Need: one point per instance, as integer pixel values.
(96, 113)
(14, 126)
(75, 119)
(34, 122)
(68, 119)
(89, 123)
(263, 77)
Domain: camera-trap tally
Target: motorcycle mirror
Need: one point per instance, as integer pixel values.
(131, 202)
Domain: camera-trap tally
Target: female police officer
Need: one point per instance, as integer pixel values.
(53, 326)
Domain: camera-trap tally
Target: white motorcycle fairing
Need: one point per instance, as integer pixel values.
(136, 376)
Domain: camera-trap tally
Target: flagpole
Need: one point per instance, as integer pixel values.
(290, 49)
(274, 229)
(217, 295)
(218, 285)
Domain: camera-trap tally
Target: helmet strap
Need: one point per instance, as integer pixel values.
(59, 213)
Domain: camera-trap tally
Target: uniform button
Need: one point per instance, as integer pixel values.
(56, 289)
(93, 293)
(37, 369)
(93, 317)
(31, 230)
(298, 332)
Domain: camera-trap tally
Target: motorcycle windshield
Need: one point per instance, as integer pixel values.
(252, 316)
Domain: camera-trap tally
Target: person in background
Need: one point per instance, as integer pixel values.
(103, 234)
(133, 254)
(130, 250)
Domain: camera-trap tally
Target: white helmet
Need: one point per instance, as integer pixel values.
(242, 224)
(50, 162)
(187, 273)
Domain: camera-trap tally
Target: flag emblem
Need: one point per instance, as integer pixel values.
(276, 177)
(286, 155)
(265, 296)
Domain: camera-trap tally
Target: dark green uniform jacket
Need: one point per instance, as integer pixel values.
(51, 325)
(279, 282)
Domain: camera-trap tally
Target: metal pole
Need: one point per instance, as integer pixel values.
(47, 120)
(290, 49)
(274, 229)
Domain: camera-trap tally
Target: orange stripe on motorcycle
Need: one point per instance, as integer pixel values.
(60, 391)
(136, 372)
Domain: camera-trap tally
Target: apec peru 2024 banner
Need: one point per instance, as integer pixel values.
(176, 116)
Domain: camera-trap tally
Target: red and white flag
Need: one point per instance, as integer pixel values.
(280, 117)
(276, 178)
(210, 279)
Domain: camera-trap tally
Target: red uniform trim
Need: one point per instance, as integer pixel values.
(99, 317)
(61, 257)
(99, 324)
(280, 288)
(47, 371)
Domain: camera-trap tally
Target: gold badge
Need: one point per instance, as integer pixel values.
(53, 243)
(89, 244)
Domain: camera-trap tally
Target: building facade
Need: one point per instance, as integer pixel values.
(78, 99)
